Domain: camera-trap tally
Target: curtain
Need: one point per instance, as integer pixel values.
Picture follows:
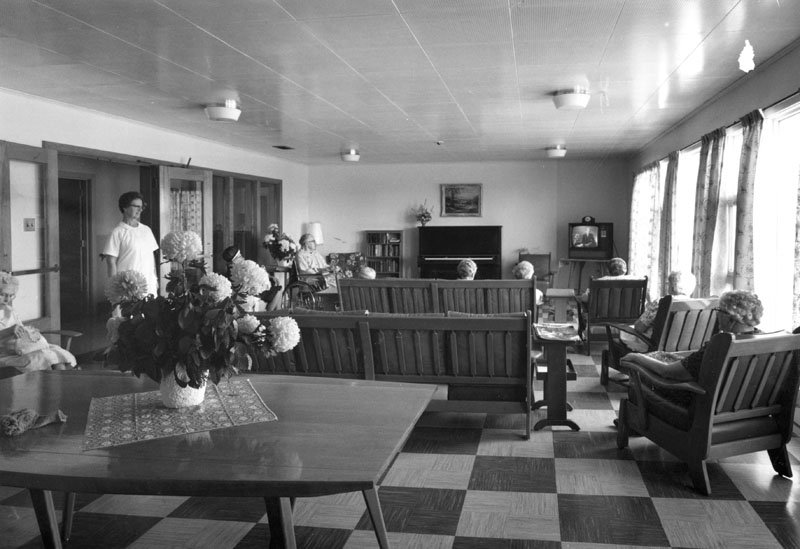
(645, 224)
(705, 207)
(667, 217)
(743, 247)
(796, 301)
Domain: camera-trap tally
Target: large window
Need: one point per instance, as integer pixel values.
(683, 209)
(725, 231)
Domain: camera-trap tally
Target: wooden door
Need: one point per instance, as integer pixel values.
(29, 230)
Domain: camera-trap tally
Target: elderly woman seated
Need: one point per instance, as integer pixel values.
(466, 269)
(738, 312)
(524, 271)
(310, 262)
(23, 347)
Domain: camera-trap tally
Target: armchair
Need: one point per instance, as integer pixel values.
(679, 325)
(742, 402)
(613, 300)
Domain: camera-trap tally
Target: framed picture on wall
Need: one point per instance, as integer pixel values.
(461, 199)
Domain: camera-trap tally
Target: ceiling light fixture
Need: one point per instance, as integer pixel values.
(351, 156)
(746, 58)
(572, 99)
(558, 151)
(229, 112)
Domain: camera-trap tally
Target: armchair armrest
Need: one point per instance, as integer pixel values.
(67, 334)
(628, 329)
(656, 380)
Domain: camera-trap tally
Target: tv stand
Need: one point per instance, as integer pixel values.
(576, 273)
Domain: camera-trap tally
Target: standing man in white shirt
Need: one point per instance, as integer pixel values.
(131, 243)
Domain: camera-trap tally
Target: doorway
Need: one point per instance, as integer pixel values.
(75, 282)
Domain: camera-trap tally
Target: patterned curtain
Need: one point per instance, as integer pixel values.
(705, 207)
(796, 302)
(645, 224)
(743, 247)
(667, 215)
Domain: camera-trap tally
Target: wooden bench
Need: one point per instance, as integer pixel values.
(483, 361)
(420, 295)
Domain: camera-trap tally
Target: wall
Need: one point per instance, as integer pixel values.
(31, 120)
(533, 201)
(766, 85)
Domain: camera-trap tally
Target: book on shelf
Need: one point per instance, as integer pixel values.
(556, 331)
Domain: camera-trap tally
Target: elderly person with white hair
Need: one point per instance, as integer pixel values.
(466, 269)
(524, 271)
(23, 347)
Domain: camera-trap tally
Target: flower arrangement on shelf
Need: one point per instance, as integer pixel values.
(198, 331)
(423, 213)
(281, 246)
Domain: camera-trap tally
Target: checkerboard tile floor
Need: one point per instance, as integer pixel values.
(468, 481)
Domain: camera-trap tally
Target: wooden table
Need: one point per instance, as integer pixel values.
(560, 299)
(555, 390)
(332, 436)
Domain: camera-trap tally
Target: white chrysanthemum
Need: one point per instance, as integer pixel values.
(285, 245)
(248, 324)
(285, 333)
(181, 246)
(251, 278)
(216, 287)
(126, 286)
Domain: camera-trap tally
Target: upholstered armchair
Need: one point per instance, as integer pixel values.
(743, 401)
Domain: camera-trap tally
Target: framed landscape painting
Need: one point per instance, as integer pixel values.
(461, 199)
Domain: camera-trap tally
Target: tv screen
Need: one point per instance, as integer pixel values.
(584, 236)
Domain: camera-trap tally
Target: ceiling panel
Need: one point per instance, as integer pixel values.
(394, 76)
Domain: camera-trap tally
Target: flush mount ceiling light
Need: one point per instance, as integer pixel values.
(558, 151)
(746, 58)
(351, 156)
(228, 112)
(572, 99)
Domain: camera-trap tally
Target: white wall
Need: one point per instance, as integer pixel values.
(30, 120)
(764, 86)
(533, 201)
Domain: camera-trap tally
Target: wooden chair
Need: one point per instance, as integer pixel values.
(742, 402)
(679, 325)
(613, 300)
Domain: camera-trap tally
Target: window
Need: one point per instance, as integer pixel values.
(683, 209)
(775, 203)
(725, 231)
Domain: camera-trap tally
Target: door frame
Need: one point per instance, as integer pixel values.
(47, 160)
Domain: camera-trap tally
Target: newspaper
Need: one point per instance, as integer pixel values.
(556, 331)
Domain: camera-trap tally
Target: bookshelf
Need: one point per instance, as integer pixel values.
(385, 253)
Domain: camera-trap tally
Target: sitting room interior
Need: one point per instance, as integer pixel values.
(519, 128)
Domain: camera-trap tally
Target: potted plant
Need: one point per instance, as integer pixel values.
(281, 246)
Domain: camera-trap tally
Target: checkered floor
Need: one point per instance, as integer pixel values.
(470, 481)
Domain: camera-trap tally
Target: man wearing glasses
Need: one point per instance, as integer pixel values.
(131, 244)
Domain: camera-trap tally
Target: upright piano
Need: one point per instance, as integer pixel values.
(441, 248)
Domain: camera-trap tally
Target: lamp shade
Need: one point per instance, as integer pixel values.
(315, 230)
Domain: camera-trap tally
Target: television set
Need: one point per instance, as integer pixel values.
(591, 240)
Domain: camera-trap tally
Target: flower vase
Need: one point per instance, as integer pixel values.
(175, 396)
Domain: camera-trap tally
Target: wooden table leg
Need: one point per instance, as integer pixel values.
(46, 517)
(281, 527)
(556, 388)
(375, 514)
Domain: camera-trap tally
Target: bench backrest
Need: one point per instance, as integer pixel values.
(749, 377)
(685, 325)
(486, 350)
(616, 299)
(416, 295)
